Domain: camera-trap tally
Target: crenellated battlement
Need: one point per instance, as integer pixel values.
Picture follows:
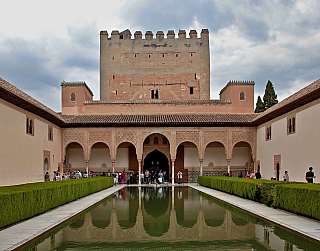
(182, 35)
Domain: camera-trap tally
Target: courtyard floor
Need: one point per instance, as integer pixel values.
(22, 233)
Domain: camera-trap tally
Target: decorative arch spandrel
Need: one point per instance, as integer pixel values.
(75, 136)
(215, 136)
(99, 137)
(188, 136)
(247, 136)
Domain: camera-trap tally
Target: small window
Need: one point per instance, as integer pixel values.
(50, 133)
(177, 55)
(191, 89)
(147, 141)
(191, 54)
(165, 141)
(73, 97)
(116, 92)
(155, 140)
(113, 76)
(268, 132)
(195, 76)
(154, 94)
(112, 58)
(291, 126)
(149, 56)
(30, 126)
(242, 96)
(135, 55)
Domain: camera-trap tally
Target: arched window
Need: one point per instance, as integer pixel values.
(242, 96)
(155, 140)
(165, 141)
(73, 97)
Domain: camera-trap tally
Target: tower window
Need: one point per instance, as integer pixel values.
(291, 125)
(242, 96)
(116, 92)
(177, 55)
(135, 55)
(113, 76)
(112, 58)
(50, 133)
(191, 90)
(30, 126)
(73, 97)
(149, 56)
(191, 54)
(154, 94)
(268, 132)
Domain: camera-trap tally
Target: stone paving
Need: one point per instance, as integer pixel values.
(22, 233)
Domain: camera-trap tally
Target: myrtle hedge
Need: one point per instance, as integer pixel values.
(24, 201)
(299, 198)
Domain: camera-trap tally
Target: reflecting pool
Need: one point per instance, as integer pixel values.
(165, 218)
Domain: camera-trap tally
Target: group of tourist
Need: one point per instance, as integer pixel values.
(57, 176)
(153, 177)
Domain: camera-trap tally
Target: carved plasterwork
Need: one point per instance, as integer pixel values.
(215, 136)
(100, 136)
(246, 136)
(191, 136)
(73, 136)
(126, 136)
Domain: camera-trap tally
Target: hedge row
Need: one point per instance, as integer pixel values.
(299, 198)
(24, 201)
(257, 190)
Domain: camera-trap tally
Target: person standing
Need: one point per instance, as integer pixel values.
(47, 177)
(286, 176)
(310, 175)
(179, 176)
(258, 175)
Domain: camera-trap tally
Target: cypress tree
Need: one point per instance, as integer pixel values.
(259, 105)
(270, 97)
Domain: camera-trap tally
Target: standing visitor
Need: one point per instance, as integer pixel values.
(46, 177)
(123, 177)
(286, 176)
(310, 175)
(180, 177)
(258, 175)
(142, 177)
(147, 174)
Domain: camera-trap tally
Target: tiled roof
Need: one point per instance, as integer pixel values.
(64, 83)
(17, 97)
(237, 82)
(161, 120)
(298, 99)
(209, 101)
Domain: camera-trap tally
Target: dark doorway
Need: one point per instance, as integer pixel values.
(278, 171)
(156, 161)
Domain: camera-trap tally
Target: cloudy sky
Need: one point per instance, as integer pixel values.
(45, 42)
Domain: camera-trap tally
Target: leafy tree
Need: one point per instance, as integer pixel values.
(270, 97)
(260, 107)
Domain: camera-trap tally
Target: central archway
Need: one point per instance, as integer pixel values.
(156, 161)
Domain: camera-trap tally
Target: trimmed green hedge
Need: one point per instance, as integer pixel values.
(257, 190)
(24, 201)
(301, 199)
(296, 197)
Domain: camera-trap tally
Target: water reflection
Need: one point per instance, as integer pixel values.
(153, 217)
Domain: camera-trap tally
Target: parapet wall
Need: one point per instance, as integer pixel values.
(128, 65)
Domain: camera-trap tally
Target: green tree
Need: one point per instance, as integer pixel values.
(260, 107)
(270, 97)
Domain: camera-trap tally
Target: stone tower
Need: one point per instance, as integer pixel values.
(154, 68)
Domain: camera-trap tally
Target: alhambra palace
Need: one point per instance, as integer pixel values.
(154, 113)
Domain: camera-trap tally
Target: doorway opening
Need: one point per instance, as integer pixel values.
(156, 161)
